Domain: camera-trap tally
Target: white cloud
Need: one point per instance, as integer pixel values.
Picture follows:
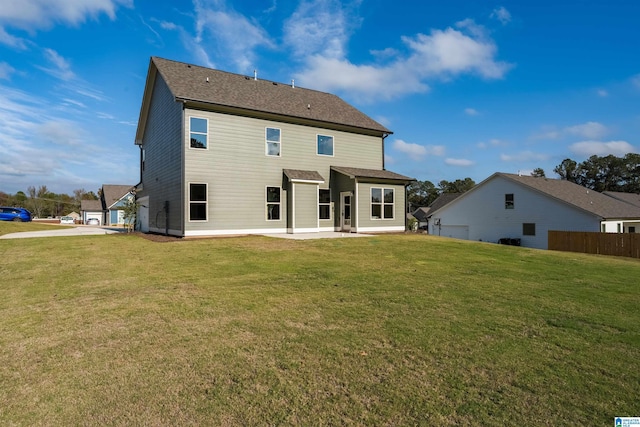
(494, 142)
(635, 80)
(525, 156)
(598, 148)
(459, 162)
(471, 112)
(318, 27)
(6, 70)
(591, 130)
(61, 67)
(35, 14)
(417, 151)
(388, 160)
(228, 34)
(442, 54)
(502, 15)
(602, 93)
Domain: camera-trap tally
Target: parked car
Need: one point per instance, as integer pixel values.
(67, 220)
(14, 214)
(93, 221)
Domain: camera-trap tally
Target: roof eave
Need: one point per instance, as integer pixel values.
(230, 109)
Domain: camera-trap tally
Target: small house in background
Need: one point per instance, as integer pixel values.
(513, 208)
(109, 208)
(422, 213)
(91, 209)
(224, 154)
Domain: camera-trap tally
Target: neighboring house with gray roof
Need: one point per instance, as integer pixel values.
(631, 198)
(223, 153)
(507, 206)
(422, 213)
(109, 208)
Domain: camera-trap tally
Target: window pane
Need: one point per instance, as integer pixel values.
(198, 125)
(198, 140)
(198, 211)
(528, 229)
(273, 148)
(388, 195)
(325, 212)
(388, 211)
(273, 135)
(273, 194)
(376, 211)
(324, 196)
(198, 192)
(376, 195)
(325, 145)
(273, 212)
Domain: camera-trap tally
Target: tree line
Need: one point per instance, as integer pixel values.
(43, 203)
(599, 173)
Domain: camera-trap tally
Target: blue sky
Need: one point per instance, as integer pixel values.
(469, 88)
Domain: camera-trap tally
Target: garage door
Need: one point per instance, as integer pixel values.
(455, 231)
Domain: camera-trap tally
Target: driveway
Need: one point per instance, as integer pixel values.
(76, 231)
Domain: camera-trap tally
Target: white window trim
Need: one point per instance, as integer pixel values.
(330, 204)
(206, 202)
(198, 133)
(333, 145)
(266, 142)
(382, 204)
(267, 203)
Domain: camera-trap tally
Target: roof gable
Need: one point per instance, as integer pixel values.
(566, 192)
(580, 197)
(112, 194)
(223, 90)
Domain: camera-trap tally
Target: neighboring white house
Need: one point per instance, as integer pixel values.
(507, 206)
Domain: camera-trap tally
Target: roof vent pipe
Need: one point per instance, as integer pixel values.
(255, 74)
(293, 83)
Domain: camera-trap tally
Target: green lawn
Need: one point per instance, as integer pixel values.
(386, 330)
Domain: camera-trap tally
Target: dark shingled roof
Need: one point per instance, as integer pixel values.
(588, 200)
(90, 205)
(371, 173)
(443, 200)
(632, 198)
(112, 193)
(294, 174)
(200, 84)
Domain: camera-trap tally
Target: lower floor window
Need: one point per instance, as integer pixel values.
(324, 204)
(197, 202)
(273, 203)
(528, 229)
(382, 201)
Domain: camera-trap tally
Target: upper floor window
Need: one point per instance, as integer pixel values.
(382, 202)
(273, 203)
(508, 201)
(324, 203)
(197, 202)
(273, 142)
(325, 145)
(198, 132)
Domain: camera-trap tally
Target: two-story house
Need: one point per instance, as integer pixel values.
(223, 153)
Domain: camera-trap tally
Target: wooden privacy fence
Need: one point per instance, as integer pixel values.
(616, 244)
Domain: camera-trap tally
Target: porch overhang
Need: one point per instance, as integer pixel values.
(302, 176)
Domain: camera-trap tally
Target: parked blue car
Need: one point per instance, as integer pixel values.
(14, 214)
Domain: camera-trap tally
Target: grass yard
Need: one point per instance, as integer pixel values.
(388, 330)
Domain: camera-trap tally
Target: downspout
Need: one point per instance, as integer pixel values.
(384, 136)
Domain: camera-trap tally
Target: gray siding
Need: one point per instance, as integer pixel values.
(161, 177)
(306, 206)
(366, 222)
(237, 169)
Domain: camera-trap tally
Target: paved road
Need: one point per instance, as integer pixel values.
(76, 231)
